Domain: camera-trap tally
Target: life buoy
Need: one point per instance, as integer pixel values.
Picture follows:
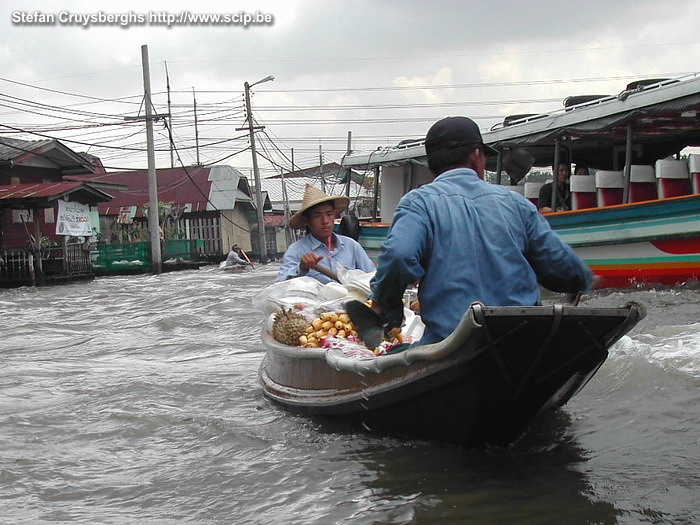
(350, 226)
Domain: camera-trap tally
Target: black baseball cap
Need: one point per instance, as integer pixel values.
(453, 132)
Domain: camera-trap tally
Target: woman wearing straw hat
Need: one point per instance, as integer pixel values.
(321, 245)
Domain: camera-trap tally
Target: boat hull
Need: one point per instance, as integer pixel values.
(655, 242)
(485, 384)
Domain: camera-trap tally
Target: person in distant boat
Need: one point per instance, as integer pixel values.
(321, 246)
(466, 240)
(234, 259)
(563, 192)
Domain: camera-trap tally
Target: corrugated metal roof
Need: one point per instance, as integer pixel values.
(12, 148)
(274, 220)
(327, 170)
(36, 191)
(297, 185)
(193, 186)
(49, 152)
(48, 191)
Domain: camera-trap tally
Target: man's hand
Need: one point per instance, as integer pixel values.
(309, 261)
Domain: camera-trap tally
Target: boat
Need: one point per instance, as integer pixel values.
(484, 385)
(233, 269)
(633, 140)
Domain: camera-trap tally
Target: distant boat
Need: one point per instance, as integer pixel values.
(234, 269)
(485, 384)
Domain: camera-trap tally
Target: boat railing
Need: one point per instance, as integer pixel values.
(431, 352)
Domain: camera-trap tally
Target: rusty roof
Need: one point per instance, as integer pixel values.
(47, 192)
(199, 188)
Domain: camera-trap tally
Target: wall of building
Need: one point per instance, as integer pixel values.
(28, 175)
(235, 229)
(14, 232)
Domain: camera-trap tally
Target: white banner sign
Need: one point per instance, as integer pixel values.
(73, 219)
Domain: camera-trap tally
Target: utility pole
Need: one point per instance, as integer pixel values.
(285, 198)
(256, 172)
(320, 168)
(153, 219)
(348, 171)
(196, 128)
(170, 118)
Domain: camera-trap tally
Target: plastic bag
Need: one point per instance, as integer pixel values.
(355, 281)
(304, 291)
(349, 348)
(313, 296)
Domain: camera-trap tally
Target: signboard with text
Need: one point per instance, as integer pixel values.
(73, 219)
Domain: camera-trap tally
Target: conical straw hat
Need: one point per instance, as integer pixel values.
(314, 196)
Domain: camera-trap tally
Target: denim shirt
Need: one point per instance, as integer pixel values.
(466, 240)
(347, 252)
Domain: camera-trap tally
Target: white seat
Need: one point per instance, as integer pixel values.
(610, 186)
(583, 192)
(642, 183)
(694, 168)
(672, 178)
(642, 173)
(532, 191)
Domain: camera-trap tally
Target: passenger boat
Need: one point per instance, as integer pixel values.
(636, 221)
(483, 385)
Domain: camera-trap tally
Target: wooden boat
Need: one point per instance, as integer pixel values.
(484, 384)
(233, 269)
(628, 239)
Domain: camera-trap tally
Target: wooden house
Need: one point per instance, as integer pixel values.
(213, 205)
(45, 220)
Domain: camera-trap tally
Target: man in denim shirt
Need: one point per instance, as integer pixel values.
(466, 240)
(321, 246)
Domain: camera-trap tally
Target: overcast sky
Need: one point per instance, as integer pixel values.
(383, 70)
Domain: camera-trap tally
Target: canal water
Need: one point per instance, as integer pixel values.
(136, 400)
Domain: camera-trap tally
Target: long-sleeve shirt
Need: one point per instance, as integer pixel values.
(466, 240)
(347, 252)
(233, 259)
(563, 197)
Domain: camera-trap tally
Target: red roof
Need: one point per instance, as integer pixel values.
(274, 220)
(174, 185)
(40, 190)
(48, 191)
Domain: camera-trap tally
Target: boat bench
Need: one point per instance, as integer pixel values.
(673, 179)
(583, 192)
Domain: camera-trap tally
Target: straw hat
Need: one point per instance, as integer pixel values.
(314, 196)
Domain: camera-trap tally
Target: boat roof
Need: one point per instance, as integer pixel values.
(664, 114)
(411, 151)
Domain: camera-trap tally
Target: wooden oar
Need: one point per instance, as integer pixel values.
(246, 258)
(369, 324)
(327, 272)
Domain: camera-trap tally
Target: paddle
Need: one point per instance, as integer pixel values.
(369, 324)
(327, 272)
(246, 258)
